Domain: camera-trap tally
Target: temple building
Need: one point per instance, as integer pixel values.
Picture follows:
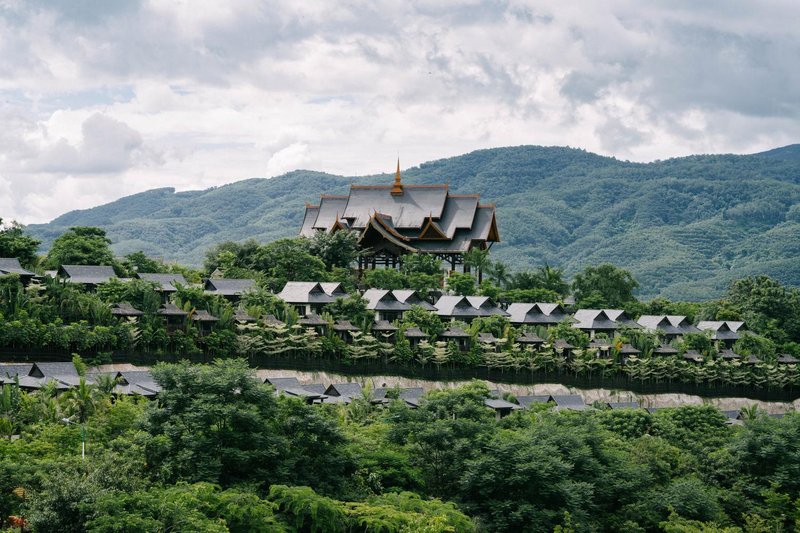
(398, 219)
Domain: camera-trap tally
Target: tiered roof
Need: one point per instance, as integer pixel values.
(414, 218)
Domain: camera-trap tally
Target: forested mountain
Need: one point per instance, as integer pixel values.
(685, 227)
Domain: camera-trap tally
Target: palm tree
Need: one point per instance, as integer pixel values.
(478, 259)
(500, 274)
(81, 401)
(105, 383)
(552, 279)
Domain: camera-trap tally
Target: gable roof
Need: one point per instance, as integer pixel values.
(312, 213)
(669, 324)
(311, 292)
(87, 274)
(415, 333)
(40, 369)
(170, 309)
(721, 329)
(500, 405)
(230, 287)
(412, 297)
(312, 319)
(467, 307)
(349, 390)
(283, 383)
(125, 309)
(569, 401)
(10, 265)
(527, 401)
(454, 333)
(602, 319)
(384, 300)
(536, 313)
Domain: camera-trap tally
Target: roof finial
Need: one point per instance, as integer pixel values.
(397, 188)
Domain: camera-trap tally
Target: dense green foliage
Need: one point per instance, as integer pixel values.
(14, 242)
(684, 227)
(218, 451)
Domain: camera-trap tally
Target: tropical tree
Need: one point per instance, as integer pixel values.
(15, 243)
(606, 284)
(81, 245)
(81, 401)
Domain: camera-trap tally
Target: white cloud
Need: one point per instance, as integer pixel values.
(101, 99)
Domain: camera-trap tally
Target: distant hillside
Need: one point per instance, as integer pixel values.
(685, 227)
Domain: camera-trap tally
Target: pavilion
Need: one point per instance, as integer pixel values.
(398, 219)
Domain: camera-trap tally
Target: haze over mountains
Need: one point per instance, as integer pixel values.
(685, 227)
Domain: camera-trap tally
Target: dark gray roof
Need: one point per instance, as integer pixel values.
(693, 355)
(721, 330)
(572, 401)
(166, 282)
(536, 313)
(729, 355)
(310, 292)
(270, 320)
(624, 405)
(500, 405)
(527, 401)
(454, 332)
(317, 388)
(53, 369)
(344, 325)
(488, 338)
(627, 349)
(9, 370)
(668, 324)
(350, 390)
(403, 393)
(529, 338)
(10, 265)
(732, 414)
(136, 376)
(230, 287)
(408, 210)
(312, 319)
(124, 309)
(467, 307)
(283, 383)
(330, 209)
(384, 300)
(412, 298)
(312, 212)
(665, 349)
(415, 333)
(787, 359)
(561, 344)
(87, 274)
(201, 315)
(384, 325)
(602, 319)
(170, 309)
(459, 213)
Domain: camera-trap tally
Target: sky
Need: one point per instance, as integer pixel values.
(100, 99)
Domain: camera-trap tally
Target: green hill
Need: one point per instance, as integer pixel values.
(685, 227)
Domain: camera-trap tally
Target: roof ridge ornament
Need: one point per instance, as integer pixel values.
(397, 188)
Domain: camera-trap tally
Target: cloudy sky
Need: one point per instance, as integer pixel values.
(100, 99)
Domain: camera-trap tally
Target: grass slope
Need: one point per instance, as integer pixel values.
(685, 227)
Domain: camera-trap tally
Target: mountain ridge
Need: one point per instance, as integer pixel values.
(684, 226)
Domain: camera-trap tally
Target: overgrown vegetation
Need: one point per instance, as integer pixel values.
(218, 451)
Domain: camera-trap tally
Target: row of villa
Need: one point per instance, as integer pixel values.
(136, 381)
(389, 306)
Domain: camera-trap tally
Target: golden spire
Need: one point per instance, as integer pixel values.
(397, 188)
